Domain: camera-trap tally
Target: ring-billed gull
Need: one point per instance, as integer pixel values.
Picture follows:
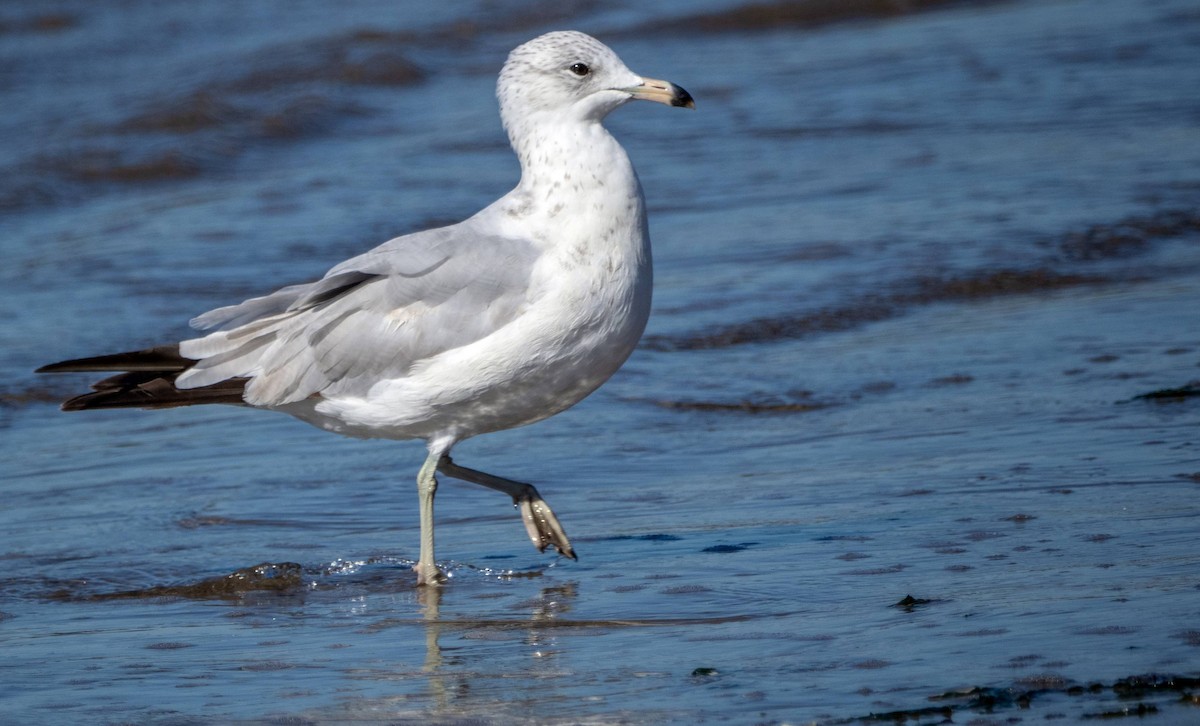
(501, 320)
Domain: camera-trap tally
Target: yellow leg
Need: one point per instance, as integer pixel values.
(427, 571)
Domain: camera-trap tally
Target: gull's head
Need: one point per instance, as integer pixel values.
(574, 76)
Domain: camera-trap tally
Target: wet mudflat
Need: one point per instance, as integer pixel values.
(913, 434)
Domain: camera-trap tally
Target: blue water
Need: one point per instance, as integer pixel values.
(911, 274)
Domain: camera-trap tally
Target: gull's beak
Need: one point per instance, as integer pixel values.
(652, 89)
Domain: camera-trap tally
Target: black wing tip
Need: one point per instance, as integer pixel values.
(145, 379)
(159, 393)
(60, 367)
(159, 358)
(125, 398)
(75, 404)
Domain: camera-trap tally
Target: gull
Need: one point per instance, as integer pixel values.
(504, 319)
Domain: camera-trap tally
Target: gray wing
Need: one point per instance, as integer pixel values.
(370, 318)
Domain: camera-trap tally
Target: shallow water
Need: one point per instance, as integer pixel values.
(913, 273)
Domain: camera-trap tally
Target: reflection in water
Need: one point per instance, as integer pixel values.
(431, 601)
(551, 602)
(543, 642)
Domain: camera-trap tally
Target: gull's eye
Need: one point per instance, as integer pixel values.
(580, 69)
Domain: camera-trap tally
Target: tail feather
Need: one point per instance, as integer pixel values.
(146, 380)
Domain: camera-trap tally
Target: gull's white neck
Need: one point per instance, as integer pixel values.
(573, 173)
(580, 198)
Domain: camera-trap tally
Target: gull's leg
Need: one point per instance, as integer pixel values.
(427, 571)
(540, 522)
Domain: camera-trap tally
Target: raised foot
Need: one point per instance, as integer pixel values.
(541, 524)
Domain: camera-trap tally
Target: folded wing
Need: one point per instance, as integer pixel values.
(369, 319)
